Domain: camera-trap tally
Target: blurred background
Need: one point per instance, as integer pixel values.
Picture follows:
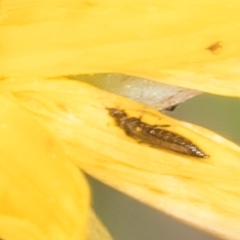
(126, 218)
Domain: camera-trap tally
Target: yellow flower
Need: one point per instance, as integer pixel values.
(64, 124)
(42, 195)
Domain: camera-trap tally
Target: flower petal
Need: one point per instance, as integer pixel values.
(97, 230)
(193, 45)
(200, 191)
(42, 195)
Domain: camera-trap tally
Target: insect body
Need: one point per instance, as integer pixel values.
(155, 135)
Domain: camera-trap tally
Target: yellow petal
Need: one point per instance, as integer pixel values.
(97, 230)
(42, 195)
(188, 44)
(203, 192)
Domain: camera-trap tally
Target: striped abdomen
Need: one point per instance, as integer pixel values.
(155, 135)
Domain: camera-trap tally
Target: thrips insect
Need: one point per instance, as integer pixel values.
(155, 135)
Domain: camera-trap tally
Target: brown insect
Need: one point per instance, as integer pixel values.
(155, 135)
(215, 48)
